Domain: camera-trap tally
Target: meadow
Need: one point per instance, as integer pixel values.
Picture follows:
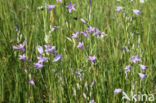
(77, 51)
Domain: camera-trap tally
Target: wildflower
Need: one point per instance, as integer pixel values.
(91, 29)
(55, 27)
(50, 7)
(31, 82)
(84, 95)
(143, 67)
(38, 65)
(57, 58)
(84, 33)
(97, 32)
(22, 57)
(80, 45)
(92, 101)
(119, 8)
(126, 48)
(20, 47)
(92, 84)
(59, 1)
(83, 20)
(92, 59)
(75, 35)
(70, 7)
(40, 49)
(90, 2)
(116, 91)
(16, 27)
(79, 71)
(41, 59)
(137, 12)
(50, 49)
(127, 69)
(142, 76)
(135, 59)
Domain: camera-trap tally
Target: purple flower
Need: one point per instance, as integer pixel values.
(22, 57)
(142, 76)
(83, 20)
(79, 71)
(119, 8)
(55, 27)
(41, 59)
(92, 101)
(40, 49)
(127, 69)
(90, 2)
(50, 49)
(70, 7)
(31, 82)
(75, 35)
(80, 45)
(20, 47)
(92, 59)
(137, 12)
(57, 58)
(116, 91)
(50, 7)
(143, 67)
(84, 33)
(16, 27)
(91, 29)
(97, 32)
(135, 59)
(38, 65)
(126, 48)
(59, 1)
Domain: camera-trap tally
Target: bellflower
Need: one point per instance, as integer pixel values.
(50, 49)
(70, 7)
(38, 65)
(50, 7)
(91, 29)
(41, 59)
(143, 67)
(119, 8)
(40, 49)
(20, 47)
(92, 59)
(117, 91)
(142, 76)
(135, 59)
(127, 69)
(57, 58)
(80, 45)
(97, 32)
(75, 35)
(137, 12)
(55, 27)
(31, 82)
(22, 57)
(84, 33)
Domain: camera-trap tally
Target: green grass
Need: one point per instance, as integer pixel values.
(55, 82)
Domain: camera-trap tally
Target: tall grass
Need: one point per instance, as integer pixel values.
(57, 82)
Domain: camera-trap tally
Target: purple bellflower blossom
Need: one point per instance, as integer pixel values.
(117, 91)
(92, 59)
(91, 29)
(20, 47)
(97, 32)
(75, 35)
(137, 12)
(50, 7)
(50, 49)
(143, 67)
(135, 59)
(38, 65)
(59, 1)
(40, 49)
(119, 8)
(80, 45)
(41, 59)
(127, 69)
(22, 57)
(57, 58)
(55, 27)
(70, 7)
(31, 82)
(142, 76)
(84, 33)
